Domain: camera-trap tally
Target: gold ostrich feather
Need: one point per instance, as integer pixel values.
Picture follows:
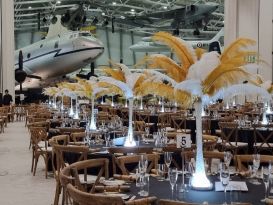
(117, 74)
(199, 52)
(109, 89)
(86, 88)
(139, 81)
(183, 98)
(159, 89)
(270, 90)
(235, 48)
(177, 47)
(170, 66)
(223, 76)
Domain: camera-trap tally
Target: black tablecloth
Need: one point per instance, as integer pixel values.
(162, 190)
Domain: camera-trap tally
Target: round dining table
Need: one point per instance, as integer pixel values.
(162, 190)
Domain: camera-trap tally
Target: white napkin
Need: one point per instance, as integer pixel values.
(232, 186)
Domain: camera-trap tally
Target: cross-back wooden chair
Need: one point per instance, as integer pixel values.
(40, 147)
(263, 139)
(59, 140)
(70, 174)
(170, 202)
(59, 162)
(245, 159)
(229, 137)
(209, 142)
(134, 159)
(78, 136)
(206, 125)
(121, 151)
(179, 122)
(139, 125)
(124, 112)
(208, 156)
(70, 130)
(143, 116)
(163, 120)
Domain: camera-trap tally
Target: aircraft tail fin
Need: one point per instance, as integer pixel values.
(218, 35)
(57, 28)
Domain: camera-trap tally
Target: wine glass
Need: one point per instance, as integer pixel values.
(173, 178)
(265, 175)
(168, 160)
(143, 164)
(227, 158)
(256, 165)
(224, 177)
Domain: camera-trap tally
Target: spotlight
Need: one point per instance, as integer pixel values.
(103, 14)
(114, 3)
(133, 10)
(58, 2)
(44, 20)
(165, 7)
(105, 23)
(95, 20)
(29, 7)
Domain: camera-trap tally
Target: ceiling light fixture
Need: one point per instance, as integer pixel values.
(114, 3)
(103, 14)
(58, 2)
(29, 7)
(133, 10)
(165, 7)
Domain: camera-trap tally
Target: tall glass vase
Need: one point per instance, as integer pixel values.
(76, 116)
(92, 125)
(129, 141)
(71, 112)
(199, 180)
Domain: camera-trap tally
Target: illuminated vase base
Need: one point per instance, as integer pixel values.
(129, 143)
(200, 182)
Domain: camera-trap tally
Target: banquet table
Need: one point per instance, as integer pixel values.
(162, 190)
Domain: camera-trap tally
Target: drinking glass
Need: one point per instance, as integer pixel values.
(168, 160)
(265, 175)
(227, 158)
(255, 168)
(224, 177)
(160, 172)
(143, 163)
(173, 178)
(144, 184)
(107, 139)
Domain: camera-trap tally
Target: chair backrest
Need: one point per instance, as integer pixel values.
(229, 133)
(144, 201)
(209, 142)
(125, 151)
(139, 125)
(78, 137)
(263, 138)
(69, 130)
(83, 198)
(179, 122)
(143, 116)
(244, 159)
(164, 119)
(38, 134)
(134, 159)
(69, 174)
(206, 125)
(59, 140)
(170, 202)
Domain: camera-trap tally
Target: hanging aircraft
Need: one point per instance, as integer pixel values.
(147, 45)
(60, 53)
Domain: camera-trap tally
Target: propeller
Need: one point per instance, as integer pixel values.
(20, 74)
(88, 75)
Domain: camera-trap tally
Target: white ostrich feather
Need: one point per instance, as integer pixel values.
(202, 68)
(123, 68)
(241, 89)
(96, 90)
(266, 85)
(191, 86)
(123, 86)
(131, 79)
(93, 79)
(160, 77)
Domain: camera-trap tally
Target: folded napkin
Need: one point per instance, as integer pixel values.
(121, 188)
(125, 177)
(232, 186)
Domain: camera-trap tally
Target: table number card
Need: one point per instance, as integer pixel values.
(183, 141)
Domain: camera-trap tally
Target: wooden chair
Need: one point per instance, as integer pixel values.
(163, 120)
(263, 140)
(134, 159)
(59, 140)
(39, 148)
(208, 155)
(209, 142)
(78, 137)
(83, 198)
(59, 162)
(170, 202)
(179, 123)
(242, 159)
(120, 151)
(139, 126)
(206, 125)
(69, 130)
(229, 136)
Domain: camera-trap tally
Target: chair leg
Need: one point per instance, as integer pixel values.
(46, 165)
(32, 163)
(35, 165)
(57, 193)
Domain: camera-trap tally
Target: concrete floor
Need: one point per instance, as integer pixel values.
(17, 184)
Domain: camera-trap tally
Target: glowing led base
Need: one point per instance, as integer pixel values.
(71, 112)
(265, 120)
(76, 116)
(200, 181)
(268, 110)
(129, 140)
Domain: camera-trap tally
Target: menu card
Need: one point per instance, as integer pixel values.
(232, 186)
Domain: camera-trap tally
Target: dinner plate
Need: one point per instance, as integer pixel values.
(115, 182)
(123, 196)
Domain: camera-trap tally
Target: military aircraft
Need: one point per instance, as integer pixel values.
(194, 16)
(60, 53)
(147, 45)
